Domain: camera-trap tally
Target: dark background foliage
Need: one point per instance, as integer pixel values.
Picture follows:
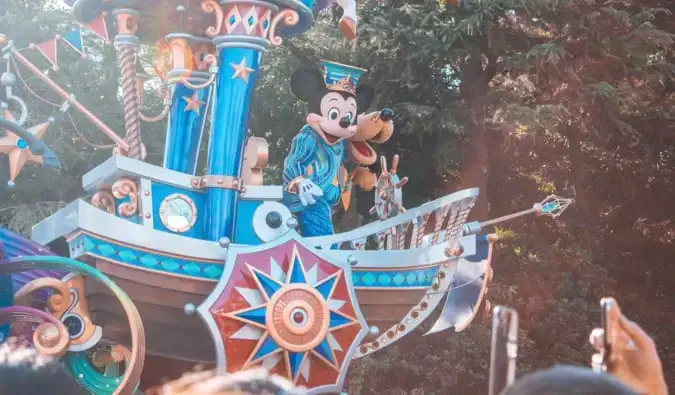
(519, 98)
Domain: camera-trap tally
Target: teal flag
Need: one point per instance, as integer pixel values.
(74, 38)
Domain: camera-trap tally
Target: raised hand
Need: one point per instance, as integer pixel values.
(633, 358)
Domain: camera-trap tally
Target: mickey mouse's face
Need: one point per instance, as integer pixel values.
(331, 114)
(336, 117)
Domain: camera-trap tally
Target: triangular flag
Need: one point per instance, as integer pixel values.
(74, 40)
(99, 27)
(48, 50)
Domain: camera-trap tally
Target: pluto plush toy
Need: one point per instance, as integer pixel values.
(315, 169)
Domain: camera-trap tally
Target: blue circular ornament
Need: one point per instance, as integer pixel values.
(21, 144)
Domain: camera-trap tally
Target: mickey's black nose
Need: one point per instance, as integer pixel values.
(387, 114)
(345, 122)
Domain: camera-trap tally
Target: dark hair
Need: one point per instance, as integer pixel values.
(567, 380)
(24, 372)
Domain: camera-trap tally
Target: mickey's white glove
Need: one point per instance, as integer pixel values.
(308, 191)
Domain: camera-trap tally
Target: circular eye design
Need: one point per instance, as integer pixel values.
(74, 324)
(349, 116)
(333, 114)
(273, 219)
(299, 317)
(269, 220)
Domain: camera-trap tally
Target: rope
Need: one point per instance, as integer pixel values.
(451, 288)
(83, 138)
(481, 278)
(28, 88)
(72, 121)
(132, 121)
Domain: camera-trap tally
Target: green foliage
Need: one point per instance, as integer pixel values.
(505, 234)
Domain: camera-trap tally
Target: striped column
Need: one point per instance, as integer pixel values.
(241, 40)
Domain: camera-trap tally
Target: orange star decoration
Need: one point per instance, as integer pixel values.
(193, 103)
(241, 70)
(17, 148)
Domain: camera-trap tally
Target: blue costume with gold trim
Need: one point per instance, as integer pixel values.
(311, 157)
(314, 159)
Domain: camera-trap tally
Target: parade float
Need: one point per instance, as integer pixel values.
(212, 266)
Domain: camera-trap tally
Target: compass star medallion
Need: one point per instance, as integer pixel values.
(283, 307)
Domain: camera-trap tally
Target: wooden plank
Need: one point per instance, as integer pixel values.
(155, 279)
(384, 313)
(150, 313)
(163, 340)
(379, 297)
(141, 293)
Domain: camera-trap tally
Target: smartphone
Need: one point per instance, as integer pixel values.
(605, 306)
(504, 349)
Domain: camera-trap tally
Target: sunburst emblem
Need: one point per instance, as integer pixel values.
(293, 318)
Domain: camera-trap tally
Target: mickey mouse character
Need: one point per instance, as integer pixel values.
(314, 170)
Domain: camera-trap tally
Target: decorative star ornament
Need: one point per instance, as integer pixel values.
(296, 319)
(287, 309)
(193, 103)
(17, 148)
(241, 70)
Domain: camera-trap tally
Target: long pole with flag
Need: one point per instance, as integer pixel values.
(65, 95)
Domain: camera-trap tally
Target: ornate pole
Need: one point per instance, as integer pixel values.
(552, 206)
(240, 37)
(127, 45)
(191, 83)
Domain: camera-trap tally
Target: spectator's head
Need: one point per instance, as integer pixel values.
(567, 380)
(25, 372)
(250, 382)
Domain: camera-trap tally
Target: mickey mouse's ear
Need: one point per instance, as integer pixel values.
(306, 82)
(365, 94)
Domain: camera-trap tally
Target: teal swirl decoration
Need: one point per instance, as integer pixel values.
(88, 376)
(129, 382)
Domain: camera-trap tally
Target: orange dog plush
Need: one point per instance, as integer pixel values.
(376, 127)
